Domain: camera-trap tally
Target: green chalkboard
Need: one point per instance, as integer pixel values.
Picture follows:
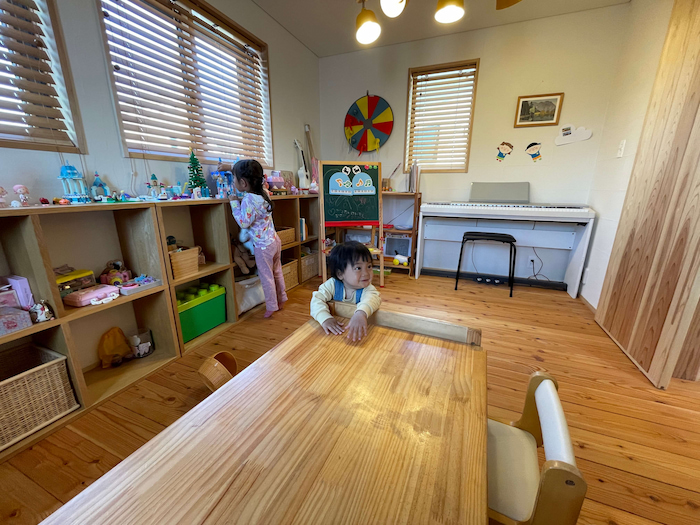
(351, 193)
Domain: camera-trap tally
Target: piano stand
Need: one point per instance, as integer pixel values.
(495, 237)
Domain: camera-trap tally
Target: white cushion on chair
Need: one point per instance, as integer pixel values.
(514, 473)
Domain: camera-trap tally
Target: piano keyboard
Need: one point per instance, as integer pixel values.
(507, 211)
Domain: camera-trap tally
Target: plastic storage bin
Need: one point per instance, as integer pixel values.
(201, 308)
(74, 281)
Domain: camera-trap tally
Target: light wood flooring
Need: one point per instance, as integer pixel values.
(638, 447)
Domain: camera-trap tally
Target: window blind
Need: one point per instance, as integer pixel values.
(34, 107)
(182, 82)
(439, 120)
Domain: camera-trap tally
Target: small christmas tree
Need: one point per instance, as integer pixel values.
(196, 179)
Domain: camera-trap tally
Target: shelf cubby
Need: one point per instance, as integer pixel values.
(151, 311)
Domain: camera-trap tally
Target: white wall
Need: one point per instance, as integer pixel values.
(294, 101)
(624, 120)
(576, 54)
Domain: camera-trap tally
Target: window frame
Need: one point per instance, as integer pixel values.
(71, 97)
(438, 68)
(220, 19)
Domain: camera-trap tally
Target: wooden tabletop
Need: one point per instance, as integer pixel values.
(319, 430)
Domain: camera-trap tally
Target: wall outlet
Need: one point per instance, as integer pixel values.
(621, 148)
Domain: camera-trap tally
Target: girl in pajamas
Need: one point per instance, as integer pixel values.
(254, 211)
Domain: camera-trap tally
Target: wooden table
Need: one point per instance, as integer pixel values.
(320, 430)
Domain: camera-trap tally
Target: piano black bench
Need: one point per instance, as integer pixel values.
(496, 237)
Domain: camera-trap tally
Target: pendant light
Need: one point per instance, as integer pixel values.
(449, 11)
(393, 8)
(368, 29)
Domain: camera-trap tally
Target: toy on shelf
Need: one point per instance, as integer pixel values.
(23, 192)
(313, 187)
(115, 273)
(141, 343)
(276, 183)
(74, 186)
(41, 312)
(196, 182)
(153, 187)
(400, 259)
(99, 294)
(8, 297)
(13, 319)
(303, 173)
(98, 186)
(70, 280)
(20, 285)
(245, 238)
(15, 204)
(139, 284)
(163, 195)
(201, 309)
(3, 194)
(44, 201)
(242, 257)
(113, 347)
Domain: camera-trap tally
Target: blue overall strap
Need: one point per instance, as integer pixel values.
(339, 294)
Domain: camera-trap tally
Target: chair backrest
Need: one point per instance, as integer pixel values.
(562, 488)
(555, 431)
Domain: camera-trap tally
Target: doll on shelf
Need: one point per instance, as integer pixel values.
(3, 194)
(23, 192)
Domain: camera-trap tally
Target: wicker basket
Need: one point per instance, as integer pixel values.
(34, 391)
(291, 274)
(309, 266)
(287, 235)
(184, 263)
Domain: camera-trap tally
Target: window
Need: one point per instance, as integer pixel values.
(184, 79)
(35, 109)
(440, 116)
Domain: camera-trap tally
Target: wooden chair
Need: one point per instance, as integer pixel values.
(217, 370)
(519, 492)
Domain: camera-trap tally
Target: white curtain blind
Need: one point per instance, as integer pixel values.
(439, 120)
(34, 107)
(184, 83)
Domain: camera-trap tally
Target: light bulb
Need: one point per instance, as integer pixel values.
(368, 29)
(449, 11)
(393, 8)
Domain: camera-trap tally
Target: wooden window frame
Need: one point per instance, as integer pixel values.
(220, 19)
(437, 68)
(67, 75)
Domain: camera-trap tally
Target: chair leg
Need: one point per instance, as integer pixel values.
(511, 277)
(459, 264)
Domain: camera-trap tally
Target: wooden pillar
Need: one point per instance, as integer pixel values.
(650, 304)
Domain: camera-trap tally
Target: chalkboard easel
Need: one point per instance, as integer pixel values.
(350, 195)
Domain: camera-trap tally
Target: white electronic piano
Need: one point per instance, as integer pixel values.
(556, 236)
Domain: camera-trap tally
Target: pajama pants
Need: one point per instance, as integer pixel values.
(268, 260)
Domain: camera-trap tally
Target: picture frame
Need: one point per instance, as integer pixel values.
(538, 110)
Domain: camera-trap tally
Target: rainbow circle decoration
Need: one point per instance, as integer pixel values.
(368, 123)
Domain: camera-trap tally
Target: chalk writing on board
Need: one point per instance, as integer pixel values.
(350, 193)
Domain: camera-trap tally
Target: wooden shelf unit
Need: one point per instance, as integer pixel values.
(403, 200)
(34, 240)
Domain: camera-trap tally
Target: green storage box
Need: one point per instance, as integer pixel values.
(201, 309)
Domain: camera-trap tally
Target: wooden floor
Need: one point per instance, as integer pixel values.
(638, 448)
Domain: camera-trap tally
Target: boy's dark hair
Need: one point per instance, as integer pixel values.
(252, 171)
(346, 254)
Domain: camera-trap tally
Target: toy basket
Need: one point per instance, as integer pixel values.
(184, 263)
(291, 274)
(35, 391)
(287, 235)
(309, 266)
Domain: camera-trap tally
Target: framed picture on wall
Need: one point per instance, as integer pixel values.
(538, 110)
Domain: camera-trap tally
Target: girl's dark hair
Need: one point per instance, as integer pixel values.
(252, 171)
(346, 254)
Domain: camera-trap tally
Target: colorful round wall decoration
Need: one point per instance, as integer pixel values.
(368, 123)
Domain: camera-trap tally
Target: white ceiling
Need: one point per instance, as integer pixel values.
(327, 27)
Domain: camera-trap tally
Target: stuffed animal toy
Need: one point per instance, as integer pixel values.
(246, 239)
(243, 258)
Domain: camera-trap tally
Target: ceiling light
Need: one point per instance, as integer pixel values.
(368, 29)
(449, 11)
(393, 8)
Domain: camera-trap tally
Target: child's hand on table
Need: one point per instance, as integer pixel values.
(357, 327)
(332, 326)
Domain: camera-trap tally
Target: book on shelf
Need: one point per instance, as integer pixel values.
(303, 230)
